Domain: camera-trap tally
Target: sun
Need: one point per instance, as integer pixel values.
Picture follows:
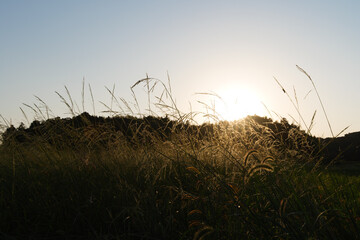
(237, 103)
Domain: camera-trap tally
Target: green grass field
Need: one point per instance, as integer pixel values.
(242, 181)
(230, 186)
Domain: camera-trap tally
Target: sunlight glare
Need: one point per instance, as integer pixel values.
(237, 103)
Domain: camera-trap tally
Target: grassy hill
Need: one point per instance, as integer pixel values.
(155, 178)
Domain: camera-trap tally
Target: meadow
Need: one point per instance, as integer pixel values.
(168, 177)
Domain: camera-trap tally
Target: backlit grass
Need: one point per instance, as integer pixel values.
(235, 180)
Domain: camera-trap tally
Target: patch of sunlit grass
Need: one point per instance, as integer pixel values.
(182, 181)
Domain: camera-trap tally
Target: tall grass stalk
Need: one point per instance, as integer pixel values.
(92, 99)
(317, 93)
(293, 103)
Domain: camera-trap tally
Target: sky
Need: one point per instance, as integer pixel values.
(233, 49)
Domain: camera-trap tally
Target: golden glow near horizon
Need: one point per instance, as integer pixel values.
(237, 103)
(203, 45)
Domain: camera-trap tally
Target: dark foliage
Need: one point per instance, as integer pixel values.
(345, 148)
(84, 128)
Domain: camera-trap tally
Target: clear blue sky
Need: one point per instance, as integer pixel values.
(204, 45)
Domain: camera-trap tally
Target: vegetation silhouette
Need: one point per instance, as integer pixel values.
(153, 177)
(76, 131)
(124, 177)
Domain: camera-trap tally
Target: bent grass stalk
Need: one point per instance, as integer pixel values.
(317, 93)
